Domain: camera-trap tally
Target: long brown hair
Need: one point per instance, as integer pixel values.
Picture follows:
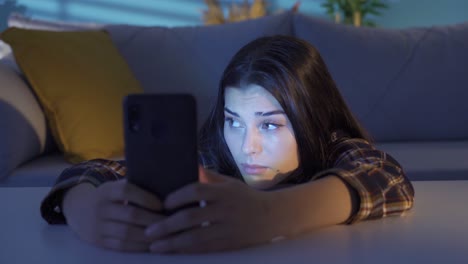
(293, 71)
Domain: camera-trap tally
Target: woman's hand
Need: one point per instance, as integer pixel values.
(112, 216)
(235, 216)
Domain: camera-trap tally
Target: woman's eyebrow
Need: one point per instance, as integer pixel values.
(231, 112)
(274, 112)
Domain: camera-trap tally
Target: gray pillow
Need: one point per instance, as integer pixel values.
(404, 85)
(23, 130)
(189, 59)
(4, 49)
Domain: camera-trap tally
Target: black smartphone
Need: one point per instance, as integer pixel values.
(160, 141)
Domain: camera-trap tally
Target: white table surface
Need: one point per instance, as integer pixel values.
(434, 231)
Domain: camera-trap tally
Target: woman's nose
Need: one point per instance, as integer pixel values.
(251, 144)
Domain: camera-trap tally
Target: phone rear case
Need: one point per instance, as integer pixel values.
(161, 141)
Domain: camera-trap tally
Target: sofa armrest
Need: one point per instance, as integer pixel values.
(23, 130)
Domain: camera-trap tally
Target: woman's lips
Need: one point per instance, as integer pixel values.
(253, 169)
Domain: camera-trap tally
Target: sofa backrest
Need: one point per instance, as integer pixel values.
(405, 84)
(190, 59)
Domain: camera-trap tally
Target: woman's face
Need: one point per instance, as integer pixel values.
(259, 136)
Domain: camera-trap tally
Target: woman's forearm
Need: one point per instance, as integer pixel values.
(324, 202)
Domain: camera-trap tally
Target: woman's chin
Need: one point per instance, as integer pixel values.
(266, 181)
(257, 183)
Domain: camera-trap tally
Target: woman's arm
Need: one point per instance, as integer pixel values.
(101, 207)
(95, 172)
(362, 183)
(323, 202)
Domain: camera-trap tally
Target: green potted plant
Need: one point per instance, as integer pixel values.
(354, 12)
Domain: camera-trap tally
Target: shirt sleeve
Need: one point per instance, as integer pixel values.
(95, 171)
(377, 178)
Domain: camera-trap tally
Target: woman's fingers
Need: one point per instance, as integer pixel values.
(123, 191)
(189, 194)
(129, 214)
(208, 176)
(124, 232)
(122, 245)
(192, 241)
(183, 220)
(209, 188)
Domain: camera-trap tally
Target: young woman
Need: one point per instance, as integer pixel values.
(281, 155)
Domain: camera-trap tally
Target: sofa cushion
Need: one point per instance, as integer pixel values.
(404, 85)
(189, 59)
(23, 131)
(80, 79)
(431, 160)
(40, 172)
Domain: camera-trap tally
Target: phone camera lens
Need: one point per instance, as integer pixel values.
(134, 118)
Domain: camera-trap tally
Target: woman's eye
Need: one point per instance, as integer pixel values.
(232, 123)
(270, 126)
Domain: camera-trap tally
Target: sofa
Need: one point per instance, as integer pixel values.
(408, 87)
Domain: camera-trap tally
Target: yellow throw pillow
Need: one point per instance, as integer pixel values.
(80, 79)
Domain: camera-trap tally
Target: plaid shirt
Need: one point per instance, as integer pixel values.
(378, 179)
